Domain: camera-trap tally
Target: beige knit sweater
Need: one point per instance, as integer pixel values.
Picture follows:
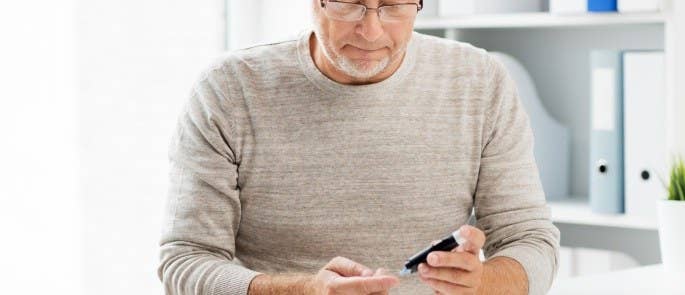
(275, 168)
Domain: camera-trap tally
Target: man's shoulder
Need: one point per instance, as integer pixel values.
(446, 52)
(271, 51)
(257, 58)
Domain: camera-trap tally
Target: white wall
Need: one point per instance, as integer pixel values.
(137, 62)
(90, 94)
(262, 21)
(40, 211)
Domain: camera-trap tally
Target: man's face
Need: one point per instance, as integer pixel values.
(366, 48)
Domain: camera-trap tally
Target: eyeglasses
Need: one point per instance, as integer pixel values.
(354, 12)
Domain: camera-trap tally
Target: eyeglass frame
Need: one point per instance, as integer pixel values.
(419, 6)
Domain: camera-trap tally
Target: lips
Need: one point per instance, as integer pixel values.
(364, 52)
(364, 49)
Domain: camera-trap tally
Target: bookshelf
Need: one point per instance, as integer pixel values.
(538, 20)
(554, 49)
(576, 210)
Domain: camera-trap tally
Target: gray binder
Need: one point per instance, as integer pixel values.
(606, 137)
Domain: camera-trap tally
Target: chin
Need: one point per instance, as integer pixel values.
(362, 69)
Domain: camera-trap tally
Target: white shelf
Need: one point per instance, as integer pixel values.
(577, 211)
(538, 19)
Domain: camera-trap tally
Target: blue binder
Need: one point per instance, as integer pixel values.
(602, 5)
(606, 138)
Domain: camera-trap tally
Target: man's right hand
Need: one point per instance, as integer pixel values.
(344, 276)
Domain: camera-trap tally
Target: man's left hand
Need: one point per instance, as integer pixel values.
(458, 271)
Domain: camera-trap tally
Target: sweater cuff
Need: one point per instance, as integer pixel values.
(537, 266)
(232, 279)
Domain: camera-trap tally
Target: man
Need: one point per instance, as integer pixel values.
(319, 165)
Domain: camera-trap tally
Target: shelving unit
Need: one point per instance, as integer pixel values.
(538, 20)
(576, 210)
(555, 47)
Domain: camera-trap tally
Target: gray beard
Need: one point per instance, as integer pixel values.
(348, 66)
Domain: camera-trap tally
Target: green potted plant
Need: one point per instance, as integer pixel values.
(671, 220)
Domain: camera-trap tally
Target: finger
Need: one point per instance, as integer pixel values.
(365, 285)
(348, 268)
(447, 274)
(463, 260)
(442, 287)
(473, 235)
(382, 271)
(467, 247)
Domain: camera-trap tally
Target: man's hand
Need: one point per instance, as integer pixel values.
(340, 276)
(344, 276)
(458, 271)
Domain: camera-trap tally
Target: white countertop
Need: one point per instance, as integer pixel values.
(650, 280)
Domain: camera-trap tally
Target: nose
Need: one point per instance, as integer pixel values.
(370, 27)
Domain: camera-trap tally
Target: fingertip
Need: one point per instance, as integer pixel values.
(465, 231)
(433, 259)
(367, 273)
(391, 281)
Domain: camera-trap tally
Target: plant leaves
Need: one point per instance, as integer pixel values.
(678, 181)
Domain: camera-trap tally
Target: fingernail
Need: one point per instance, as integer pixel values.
(465, 232)
(433, 258)
(423, 268)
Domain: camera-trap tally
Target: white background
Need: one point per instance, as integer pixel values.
(90, 94)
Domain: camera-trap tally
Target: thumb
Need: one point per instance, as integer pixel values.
(348, 268)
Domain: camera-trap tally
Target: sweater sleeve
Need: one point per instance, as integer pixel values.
(202, 214)
(509, 201)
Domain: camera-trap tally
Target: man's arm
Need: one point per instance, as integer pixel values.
(509, 200)
(203, 207)
(293, 284)
(503, 275)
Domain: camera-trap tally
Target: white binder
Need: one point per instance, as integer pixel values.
(453, 8)
(646, 151)
(465, 7)
(567, 6)
(639, 5)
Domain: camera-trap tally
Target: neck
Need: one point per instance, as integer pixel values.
(329, 70)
